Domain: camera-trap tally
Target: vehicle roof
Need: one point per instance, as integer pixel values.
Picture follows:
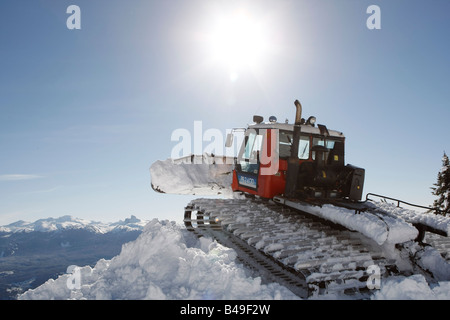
(290, 127)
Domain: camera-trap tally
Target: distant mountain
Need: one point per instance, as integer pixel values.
(33, 252)
(69, 222)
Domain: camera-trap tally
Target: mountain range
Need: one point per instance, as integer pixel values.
(34, 252)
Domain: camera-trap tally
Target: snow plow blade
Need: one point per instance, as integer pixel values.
(193, 175)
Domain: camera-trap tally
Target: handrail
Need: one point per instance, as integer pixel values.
(400, 201)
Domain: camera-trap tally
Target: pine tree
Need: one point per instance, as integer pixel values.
(441, 188)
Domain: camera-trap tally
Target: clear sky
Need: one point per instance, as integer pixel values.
(84, 113)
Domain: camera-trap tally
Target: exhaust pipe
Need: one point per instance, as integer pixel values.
(298, 113)
(293, 164)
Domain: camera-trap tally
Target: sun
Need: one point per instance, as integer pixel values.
(238, 41)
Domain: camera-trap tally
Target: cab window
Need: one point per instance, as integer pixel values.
(303, 148)
(285, 143)
(320, 141)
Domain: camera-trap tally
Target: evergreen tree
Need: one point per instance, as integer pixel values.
(441, 188)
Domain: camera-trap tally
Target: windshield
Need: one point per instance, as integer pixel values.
(249, 155)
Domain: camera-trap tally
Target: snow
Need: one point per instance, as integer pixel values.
(428, 258)
(438, 222)
(414, 287)
(381, 228)
(165, 262)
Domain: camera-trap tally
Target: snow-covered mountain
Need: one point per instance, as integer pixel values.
(33, 252)
(68, 222)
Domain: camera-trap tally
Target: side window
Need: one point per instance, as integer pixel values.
(330, 144)
(303, 148)
(318, 142)
(284, 148)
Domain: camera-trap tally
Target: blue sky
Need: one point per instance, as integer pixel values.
(84, 113)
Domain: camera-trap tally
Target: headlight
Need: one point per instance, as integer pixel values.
(311, 120)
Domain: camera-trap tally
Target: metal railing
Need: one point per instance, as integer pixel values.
(401, 201)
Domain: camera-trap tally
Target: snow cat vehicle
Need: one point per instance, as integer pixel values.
(300, 161)
(298, 218)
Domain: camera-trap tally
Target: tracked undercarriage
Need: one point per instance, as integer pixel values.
(319, 257)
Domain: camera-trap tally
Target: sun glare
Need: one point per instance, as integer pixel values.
(238, 42)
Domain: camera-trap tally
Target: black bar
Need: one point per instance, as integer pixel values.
(400, 201)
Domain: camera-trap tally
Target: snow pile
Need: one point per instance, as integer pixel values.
(69, 222)
(165, 262)
(412, 288)
(198, 175)
(429, 259)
